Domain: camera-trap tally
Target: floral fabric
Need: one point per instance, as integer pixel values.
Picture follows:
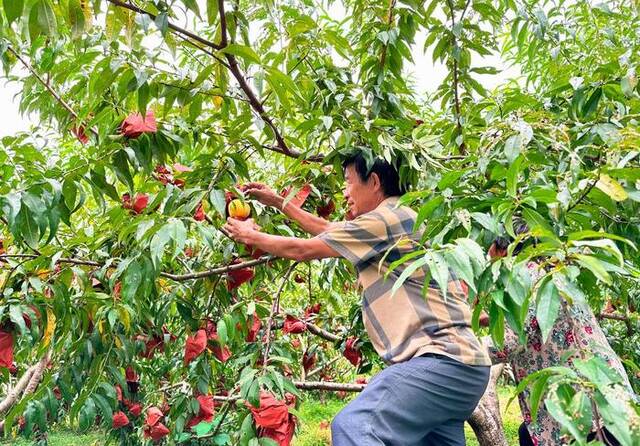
(577, 329)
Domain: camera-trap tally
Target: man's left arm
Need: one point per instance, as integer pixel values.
(294, 248)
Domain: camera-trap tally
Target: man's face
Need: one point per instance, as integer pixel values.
(360, 195)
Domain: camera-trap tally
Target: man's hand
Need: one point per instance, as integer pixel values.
(264, 194)
(241, 231)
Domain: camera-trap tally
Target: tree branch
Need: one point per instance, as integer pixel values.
(274, 306)
(308, 385)
(281, 145)
(456, 94)
(15, 393)
(171, 26)
(383, 55)
(585, 192)
(314, 329)
(177, 277)
(46, 85)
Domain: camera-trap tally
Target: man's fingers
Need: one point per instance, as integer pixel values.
(254, 186)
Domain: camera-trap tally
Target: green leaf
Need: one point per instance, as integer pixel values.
(408, 271)
(222, 332)
(13, 9)
(548, 304)
(612, 188)
(46, 17)
(76, 18)
(212, 11)
(580, 235)
(217, 199)
(203, 428)
(569, 289)
(474, 252)
(512, 176)
(439, 270)
(162, 22)
(105, 408)
(595, 266)
(131, 281)
(15, 314)
(487, 221)
(591, 106)
(512, 147)
(159, 242)
(193, 6)
(243, 51)
(459, 262)
(535, 396)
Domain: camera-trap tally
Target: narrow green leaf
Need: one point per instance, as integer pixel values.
(13, 9)
(548, 304)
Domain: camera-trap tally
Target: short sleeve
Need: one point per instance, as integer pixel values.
(358, 240)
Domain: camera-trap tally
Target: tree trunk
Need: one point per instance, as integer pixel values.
(14, 394)
(486, 420)
(29, 382)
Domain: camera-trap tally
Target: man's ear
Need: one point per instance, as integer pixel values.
(374, 180)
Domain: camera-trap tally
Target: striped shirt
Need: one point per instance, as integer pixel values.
(406, 324)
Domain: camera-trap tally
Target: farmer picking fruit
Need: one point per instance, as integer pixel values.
(438, 370)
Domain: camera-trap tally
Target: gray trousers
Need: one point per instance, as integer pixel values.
(421, 402)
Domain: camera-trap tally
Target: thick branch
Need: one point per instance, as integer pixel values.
(171, 26)
(36, 377)
(33, 380)
(322, 333)
(309, 385)
(15, 393)
(281, 145)
(615, 317)
(176, 277)
(323, 385)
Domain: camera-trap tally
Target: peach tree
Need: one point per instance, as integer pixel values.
(124, 304)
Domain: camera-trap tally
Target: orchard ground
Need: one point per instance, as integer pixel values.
(316, 415)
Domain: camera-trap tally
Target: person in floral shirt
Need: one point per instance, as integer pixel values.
(576, 328)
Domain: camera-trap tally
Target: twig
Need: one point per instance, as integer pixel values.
(170, 25)
(308, 385)
(456, 94)
(383, 55)
(616, 317)
(46, 85)
(323, 385)
(323, 366)
(585, 192)
(274, 305)
(13, 270)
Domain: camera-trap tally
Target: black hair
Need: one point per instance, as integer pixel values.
(387, 172)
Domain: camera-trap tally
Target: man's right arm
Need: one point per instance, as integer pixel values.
(310, 223)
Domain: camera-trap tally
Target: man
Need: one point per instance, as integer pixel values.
(439, 370)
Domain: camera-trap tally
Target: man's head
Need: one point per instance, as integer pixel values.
(366, 188)
(500, 245)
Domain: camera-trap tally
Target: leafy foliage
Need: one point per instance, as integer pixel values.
(279, 92)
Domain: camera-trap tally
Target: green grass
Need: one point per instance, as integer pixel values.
(315, 417)
(64, 437)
